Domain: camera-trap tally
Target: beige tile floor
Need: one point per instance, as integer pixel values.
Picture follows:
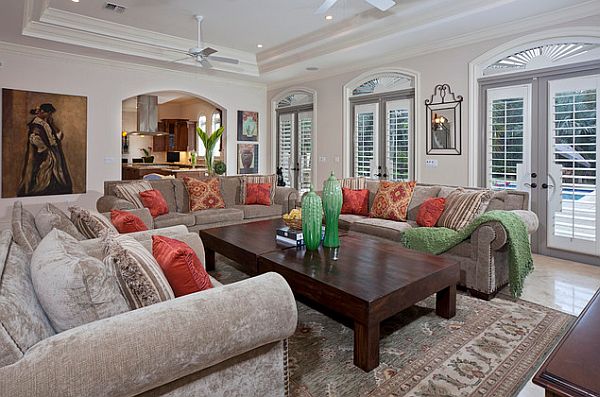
(563, 285)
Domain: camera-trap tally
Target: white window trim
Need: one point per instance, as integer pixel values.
(587, 33)
(348, 122)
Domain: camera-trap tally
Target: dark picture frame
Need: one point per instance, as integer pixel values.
(247, 126)
(443, 120)
(36, 127)
(247, 158)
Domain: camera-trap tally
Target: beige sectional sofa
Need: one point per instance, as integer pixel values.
(177, 198)
(226, 341)
(482, 258)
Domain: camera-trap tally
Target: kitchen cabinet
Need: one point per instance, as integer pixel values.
(181, 136)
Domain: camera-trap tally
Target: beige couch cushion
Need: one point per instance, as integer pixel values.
(23, 227)
(385, 228)
(173, 219)
(260, 211)
(167, 189)
(230, 189)
(51, 217)
(216, 215)
(346, 220)
(23, 322)
(73, 287)
(420, 194)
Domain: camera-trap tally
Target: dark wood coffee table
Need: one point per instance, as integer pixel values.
(366, 280)
(241, 243)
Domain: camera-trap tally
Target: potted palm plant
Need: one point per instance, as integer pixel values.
(209, 141)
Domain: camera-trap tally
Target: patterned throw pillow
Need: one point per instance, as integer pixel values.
(204, 194)
(270, 179)
(430, 211)
(23, 227)
(155, 202)
(131, 192)
(126, 222)
(90, 223)
(138, 274)
(258, 193)
(355, 201)
(181, 265)
(51, 217)
(463, 206)
(392, 200)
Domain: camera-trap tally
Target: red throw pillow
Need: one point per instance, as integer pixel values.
(430, 211)
(355, 201)
(181, 265)
(155, 202)
(126, 222)
(258, 193)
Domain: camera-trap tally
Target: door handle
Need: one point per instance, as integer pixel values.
(546, 185)
(531, 185)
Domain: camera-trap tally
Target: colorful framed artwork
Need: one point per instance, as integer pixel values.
(247, 126)
(44, 143)
(247, 158)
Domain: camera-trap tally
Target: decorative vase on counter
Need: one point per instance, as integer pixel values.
(332, 204)
(312, 220)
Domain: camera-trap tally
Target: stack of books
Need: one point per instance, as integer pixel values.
(292, 237)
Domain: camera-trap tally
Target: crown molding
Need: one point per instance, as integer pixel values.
(589, 8)
(67, 57)
(71, 28)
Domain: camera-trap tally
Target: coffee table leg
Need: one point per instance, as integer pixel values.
(366, 346)
(209, 257)
(445, 302)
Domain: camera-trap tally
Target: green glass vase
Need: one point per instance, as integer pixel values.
(312, 219)
(332, 204)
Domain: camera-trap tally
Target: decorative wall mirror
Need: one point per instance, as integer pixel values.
(443, 121)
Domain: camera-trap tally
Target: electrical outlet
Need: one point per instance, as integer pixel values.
(431, 163)
(337, 159)
(322, 159)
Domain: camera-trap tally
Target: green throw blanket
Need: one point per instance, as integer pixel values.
(439, 239)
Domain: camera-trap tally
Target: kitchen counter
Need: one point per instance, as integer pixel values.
(138, 170)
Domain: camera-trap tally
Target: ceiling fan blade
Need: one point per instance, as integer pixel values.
(205, 64)
(223, 59)
(383, 5)
(206, 52)
(182, 59)
(327, 4)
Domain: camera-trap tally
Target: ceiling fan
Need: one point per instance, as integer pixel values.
(204, 55)
(383, 5)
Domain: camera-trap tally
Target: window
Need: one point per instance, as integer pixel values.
(383, 127)
(202, 124)
(216, 124)
(294, 139)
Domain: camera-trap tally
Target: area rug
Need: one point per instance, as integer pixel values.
(487, 349)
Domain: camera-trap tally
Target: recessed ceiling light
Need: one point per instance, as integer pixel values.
(75, 1)
(259, 45)
(312, 68)
(329, 17)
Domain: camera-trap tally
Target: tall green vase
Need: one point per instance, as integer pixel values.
(312, 219)
(332, 204)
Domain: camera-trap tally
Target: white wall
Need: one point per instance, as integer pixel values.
(107, 84)
(450, 66)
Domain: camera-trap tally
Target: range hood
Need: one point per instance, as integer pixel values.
(147, 116)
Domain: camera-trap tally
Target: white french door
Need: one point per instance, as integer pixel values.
(573, 144)
(294, 147)
(383, 138)
(508, 133)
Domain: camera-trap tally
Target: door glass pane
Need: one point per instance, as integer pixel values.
(573, 164)
(398, 127)
(508, 135)
(365, 139)
(284, 146)
(304, 149)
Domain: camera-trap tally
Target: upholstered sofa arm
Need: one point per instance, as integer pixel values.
(142, 213)
(140, 350)
(529, 218)
(108, 203)
(490, 234)
(287, 197)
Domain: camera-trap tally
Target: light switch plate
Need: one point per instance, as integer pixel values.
(109, 160)
(322, 159)
(337, 159)
(431, 163)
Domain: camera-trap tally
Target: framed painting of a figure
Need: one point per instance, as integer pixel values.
(44, 143)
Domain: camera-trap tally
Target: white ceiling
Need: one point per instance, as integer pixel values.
(158, 32)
